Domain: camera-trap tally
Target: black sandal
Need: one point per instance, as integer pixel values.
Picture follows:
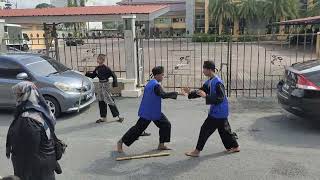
(100, 121)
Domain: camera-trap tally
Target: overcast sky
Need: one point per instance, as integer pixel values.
(33, 3)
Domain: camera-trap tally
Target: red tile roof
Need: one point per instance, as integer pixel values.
(88, 10)
(302, 21)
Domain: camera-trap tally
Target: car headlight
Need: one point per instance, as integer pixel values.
(66, 88)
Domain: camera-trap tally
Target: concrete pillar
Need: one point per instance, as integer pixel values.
(3, 47)
(318, 45)
(130, 85)
(190, 16)
(207, 16)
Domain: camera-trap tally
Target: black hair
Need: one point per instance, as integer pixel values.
(157, 70)
(209, 65)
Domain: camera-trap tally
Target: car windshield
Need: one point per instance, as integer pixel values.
(45, 66)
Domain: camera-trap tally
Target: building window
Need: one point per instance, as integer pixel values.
(178, 20)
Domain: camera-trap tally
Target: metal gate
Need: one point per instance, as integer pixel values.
(249, 65)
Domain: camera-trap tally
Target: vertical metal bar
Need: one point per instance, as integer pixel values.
(160, 50)
(77, 55)
(201, 60)
(120, 54)
(64, 52)
(230, 66)
(264, 71)
(237, 68)
(174, 82)
(99, 40)
(297, 47)
(180, 43)
(194, 64)
(312, 39)
(149, 57)
(167, 40)
(271, 85)
(155, 50)
(106, 40)
(243, 64)
(305, 43)
(257, 84)
(70, 48)
(221, 56)
(250, 81)
(215, 48)
(187, 42)
(112, 49)
(208, 51)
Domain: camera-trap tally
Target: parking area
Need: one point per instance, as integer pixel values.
(274, 144)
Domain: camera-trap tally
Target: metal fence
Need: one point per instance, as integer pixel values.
(76, 51)
(250, 65)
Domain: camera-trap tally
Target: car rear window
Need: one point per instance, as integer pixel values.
(314, 77)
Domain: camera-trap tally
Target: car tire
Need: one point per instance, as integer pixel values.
(54, 106)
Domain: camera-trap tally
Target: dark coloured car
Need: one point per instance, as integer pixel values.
(74, 42)
(299, 91)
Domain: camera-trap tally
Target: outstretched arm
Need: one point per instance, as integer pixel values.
(92, 74)
(164, 95)
(194, 94)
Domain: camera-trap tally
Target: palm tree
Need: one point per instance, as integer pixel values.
(314, 10)
(280, 10)
(250, 10)
(221, 10)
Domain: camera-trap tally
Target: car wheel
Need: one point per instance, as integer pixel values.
(53, 105)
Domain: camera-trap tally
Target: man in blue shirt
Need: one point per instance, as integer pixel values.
(150, 111)
(214, 92)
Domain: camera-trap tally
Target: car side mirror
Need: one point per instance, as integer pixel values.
(22, 76)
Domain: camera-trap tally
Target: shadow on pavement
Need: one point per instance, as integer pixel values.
(287, 130)
(110, 167)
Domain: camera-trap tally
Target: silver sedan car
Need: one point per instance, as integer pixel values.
(65, 90)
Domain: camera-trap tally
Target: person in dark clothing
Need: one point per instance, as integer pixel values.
(150, 111)
(214, 93)
(103, 73)
(29, 140)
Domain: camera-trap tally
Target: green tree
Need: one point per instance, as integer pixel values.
(250, 9)
(70, 3)
(44, 5)
(281, 10)
(275, 10)
(314, 10)
(222, 10)
(75, 3)
(83, 3)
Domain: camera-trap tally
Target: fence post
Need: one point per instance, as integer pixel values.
(318, 45)
(130, 84)
(3, 47)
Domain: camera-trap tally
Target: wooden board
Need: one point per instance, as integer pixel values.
(142, 156)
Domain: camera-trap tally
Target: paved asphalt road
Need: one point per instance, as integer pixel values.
(274, 145)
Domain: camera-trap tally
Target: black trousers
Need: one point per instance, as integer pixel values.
(209, 126)
(103, 109)
(134, 132)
